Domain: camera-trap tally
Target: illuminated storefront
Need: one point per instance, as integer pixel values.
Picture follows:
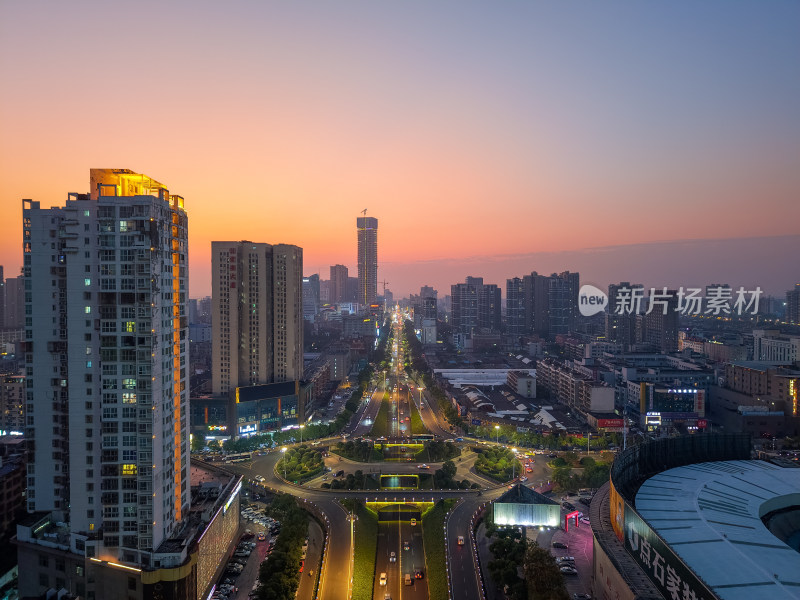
(264, 408)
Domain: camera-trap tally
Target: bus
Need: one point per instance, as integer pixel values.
(241, 457)
(422, 437)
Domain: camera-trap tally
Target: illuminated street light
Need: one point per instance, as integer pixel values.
(301, 433)
(283, 460)
(497, 434)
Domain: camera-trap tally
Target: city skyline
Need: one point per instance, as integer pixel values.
(470, 131)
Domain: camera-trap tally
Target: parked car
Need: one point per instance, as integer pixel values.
(565, 559)
(569, 570)
(561, 545)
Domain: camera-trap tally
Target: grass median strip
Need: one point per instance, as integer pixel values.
(366, 545)
(381, 427)
(435, 551)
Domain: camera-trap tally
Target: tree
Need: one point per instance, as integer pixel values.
(449, 468)
(545, 581)
(562, 476)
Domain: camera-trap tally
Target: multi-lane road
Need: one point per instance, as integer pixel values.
(395, 535)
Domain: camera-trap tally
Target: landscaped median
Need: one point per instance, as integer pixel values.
(497, 463)
(366, 546)
(435, 551)
(300, 464)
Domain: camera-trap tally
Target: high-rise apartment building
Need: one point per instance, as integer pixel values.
(2, 298)
(660, 327)
(12, 404)
(620, 325)
(549, 303)
(311, 296)
(367, 259)
(14, 302)
(106, 355)
(465, 306)
(793, 305)
(339, 276)
(489, 309)
(257, 322)
(515, 307)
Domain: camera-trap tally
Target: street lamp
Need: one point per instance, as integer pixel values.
(589, 443)
(513, 463)
(283, 460)
(497, 434)
(301, 433)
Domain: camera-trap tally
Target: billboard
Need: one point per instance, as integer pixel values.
(604, 423)
(617, 512)
(664, 568)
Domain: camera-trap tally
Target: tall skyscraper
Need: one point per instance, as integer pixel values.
(257, 322)
(367, 259)
(339, 276)
(106, 354)
(465, 297)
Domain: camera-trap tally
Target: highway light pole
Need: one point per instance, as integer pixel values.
(497, 434)
(301, 433)
(283, 460)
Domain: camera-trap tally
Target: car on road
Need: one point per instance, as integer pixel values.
(565, 559)
(418, 574)
(262, 536)
(561, 545)
(382, 580)
(405, 545)
(460, 540)
(392, 557)
(413, 522)
(566, 570)
(423, 466)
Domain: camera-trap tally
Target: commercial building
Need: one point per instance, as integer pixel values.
(258, 314)
(522, 506)
(185, 567)
(770, 345)
(694, 517)
(106, 355)
(367, 259)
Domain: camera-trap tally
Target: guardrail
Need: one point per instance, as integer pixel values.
(477, 516)
(447, 549)
(324, 522)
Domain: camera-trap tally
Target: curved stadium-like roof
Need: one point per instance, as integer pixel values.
(710, 515)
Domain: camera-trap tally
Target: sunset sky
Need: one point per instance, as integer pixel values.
(488, 138)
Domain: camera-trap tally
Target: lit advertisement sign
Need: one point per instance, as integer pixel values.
(605, 423)
(232, 497)
(664, 568)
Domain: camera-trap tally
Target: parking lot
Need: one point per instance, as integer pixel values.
(241, 575)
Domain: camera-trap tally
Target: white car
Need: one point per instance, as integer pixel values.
(382, 580)
(392, 557)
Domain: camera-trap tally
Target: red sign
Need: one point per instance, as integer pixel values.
(603, 423)
(702, 423)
